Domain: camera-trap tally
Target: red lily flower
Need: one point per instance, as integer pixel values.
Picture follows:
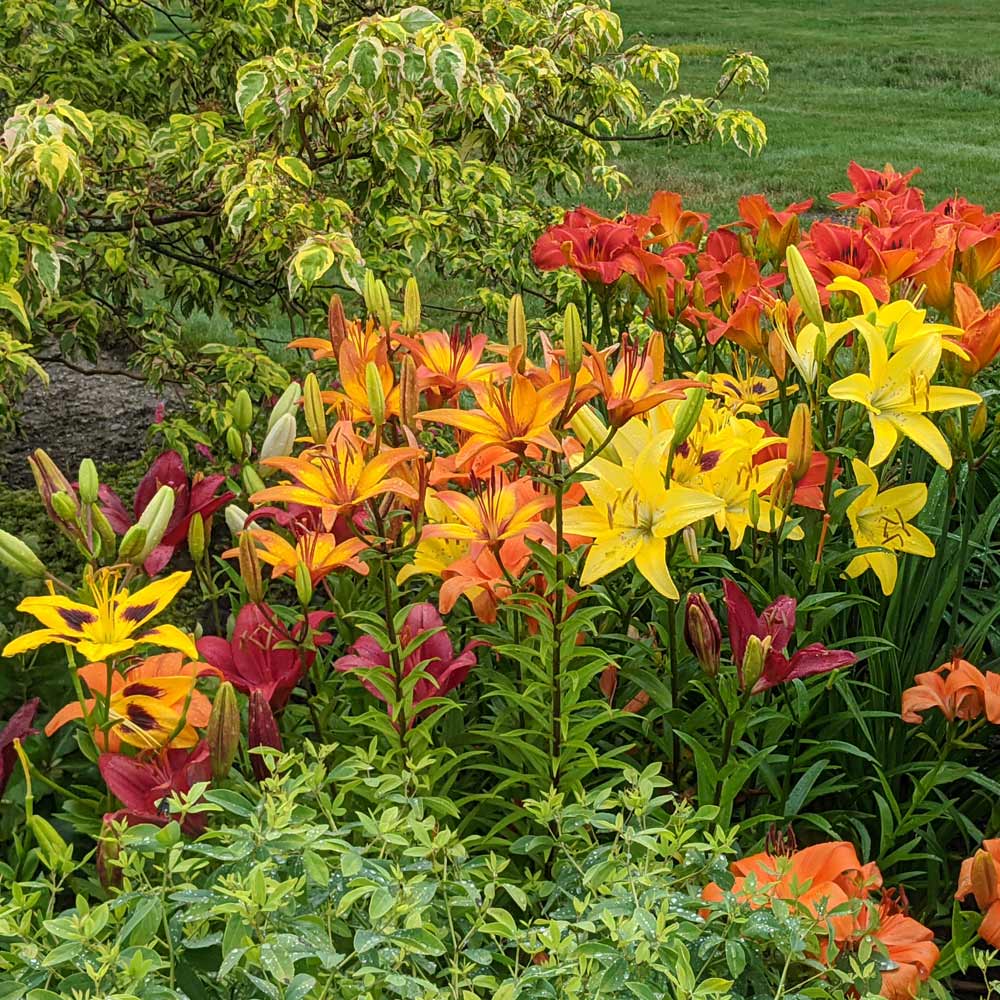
(771, 229)
(598, 249)
(831, 250)
(263, 654)
(144, 784)
(435, 654)
(776, 623)
(809, 489)
(18, 727)
(874, 187)
(906, 249)
(192, 498)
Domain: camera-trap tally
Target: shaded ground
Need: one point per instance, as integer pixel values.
(103, 415)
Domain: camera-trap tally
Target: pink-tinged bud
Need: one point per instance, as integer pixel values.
(250, 568)
(223, 733)
(409, 393)
(702, 633)
(984, 879)
(336, 321)
(109, 848)
(49, 480)
(262, 732)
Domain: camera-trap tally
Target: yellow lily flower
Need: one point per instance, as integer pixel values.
(897, 393)
(882, 520)
(632, 516)
(107, 627)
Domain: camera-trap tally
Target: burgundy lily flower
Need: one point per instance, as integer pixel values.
(262, 655)
(777, 623)
(143, 784)
(17, 728)
(194, 497)
(435, 654)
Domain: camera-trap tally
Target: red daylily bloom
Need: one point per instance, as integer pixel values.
(598, 249)
(831, 250)
(18, 728)
(776, 623)
(873, 187)
(195, 497)
(771, 229)
(144, 784)
(904, 250)
(435, 655)
(263, 654)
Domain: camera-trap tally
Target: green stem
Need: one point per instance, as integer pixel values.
(558, 611)
(399, 708)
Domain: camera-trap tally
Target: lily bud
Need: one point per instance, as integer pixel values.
(242, 411)
(376, 394)
(702, 633)
(250, 568)
(686, 415)
(409, 393)
(252, 483)
(48, 478)
(103, 528)
(236, 517)
(336, 323)
(377, 299)
(262, 731)
(18, 558)
(196, 538)
(573, 339)
(109, 848)
(65, 508)
(411, 306)
(800, 442)
(753, 508)
(234, 443)
(978, 426)
(132, 544)
(690, 538)
(804, 286)
(314, 407)
(517, 330)
(591, 430)
(984, 879)
(89, 481)
(303, 584)
(753, 661)
(156, 519)
(287, 403)
(280, 438)
(223, 730)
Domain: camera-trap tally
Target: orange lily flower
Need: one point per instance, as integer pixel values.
(911, 949)
(516, 415)
(979, 252)
(448, 363)
(319, 552)
(498, 510)
(353, 401)
(671, 223)
(365, 338)
(146, 704)
(980, 876)
(337, 477)
(957, 689)
(981, 340)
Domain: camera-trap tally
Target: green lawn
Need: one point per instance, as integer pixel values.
(911, 82)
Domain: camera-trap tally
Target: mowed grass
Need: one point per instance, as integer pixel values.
(909, 82)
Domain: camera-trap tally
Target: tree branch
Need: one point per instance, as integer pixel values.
(114, 17)
(627, 137)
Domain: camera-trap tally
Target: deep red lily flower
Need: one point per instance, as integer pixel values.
(906, 249)
(777, 623)
(262, 655)
(871, 187)
(435, 654)
(143, 784)
(831, 250)
(194, 497)
(17, 728)
(599, 250)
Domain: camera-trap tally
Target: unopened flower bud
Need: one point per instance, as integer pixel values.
(89, 482)
(262, 731)
(315, 410)
(690, 538)
(804, 286)
(280, 438)
(377, 300)
(336, 322)
(517, 330)
(978, 425)
(287, 403)
(753, 661)
(376, 394)
(18, 558)
(409, 393)
(984, 879)
(48, 477)
(103, 528)
(686, 415)
(65, 508)
(753, 508)
(223, 733)
(573, 339)
(303, 584)
(591, 430)
(236, 517)
(784, 489)
(234, 443)
(109, 848)
(252, 483)
(156, 519)
(132, 544)
(196, 538)
(411, 306)
(800, 443)
(702, 633)
(242, 411)
(250, 568)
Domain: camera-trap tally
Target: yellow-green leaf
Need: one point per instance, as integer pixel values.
(296, 169)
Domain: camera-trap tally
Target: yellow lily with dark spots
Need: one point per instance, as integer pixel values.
(111, 625)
